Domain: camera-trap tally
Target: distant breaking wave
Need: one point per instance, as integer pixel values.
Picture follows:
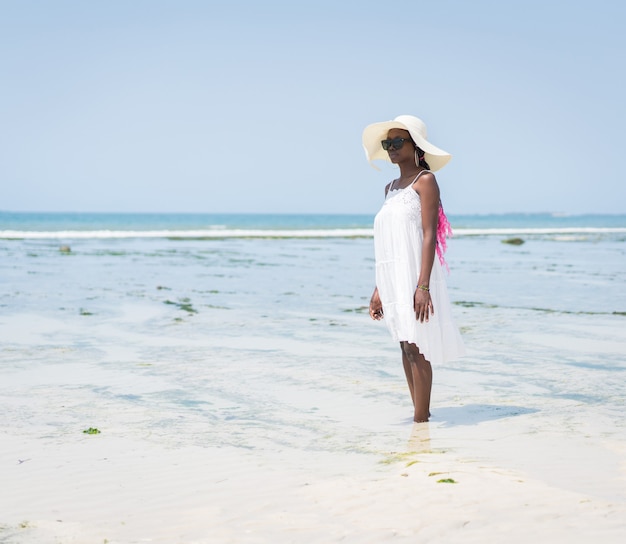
(292, 233)
(189, 234)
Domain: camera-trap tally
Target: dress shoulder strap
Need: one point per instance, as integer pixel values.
(418, 175)
(409, 185)
(391, 185)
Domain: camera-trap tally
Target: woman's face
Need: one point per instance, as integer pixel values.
(406, 151)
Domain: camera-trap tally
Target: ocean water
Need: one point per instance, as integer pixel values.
(18, 225)
(252, 331)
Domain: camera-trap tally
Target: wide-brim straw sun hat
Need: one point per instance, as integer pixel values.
(377, 132)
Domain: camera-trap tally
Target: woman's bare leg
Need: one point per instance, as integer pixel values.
(422, 374)
(408, 372)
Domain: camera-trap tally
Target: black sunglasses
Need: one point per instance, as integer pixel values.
(396, 143)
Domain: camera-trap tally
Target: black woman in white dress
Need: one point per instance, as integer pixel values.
(409, 240)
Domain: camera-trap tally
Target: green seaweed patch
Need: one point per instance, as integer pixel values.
(113, 253)
(91, 430)
(183, 304)
(472, 304)
(412, 462)
(513, 241)
(466, 303)
(359, 310)
(545, 310)
(443, 480)
(397, 457)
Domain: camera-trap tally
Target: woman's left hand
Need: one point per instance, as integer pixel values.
(423, 305)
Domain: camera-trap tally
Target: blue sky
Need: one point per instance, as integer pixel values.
(242, 106)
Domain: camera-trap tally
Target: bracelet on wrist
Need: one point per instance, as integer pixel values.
(423, 288)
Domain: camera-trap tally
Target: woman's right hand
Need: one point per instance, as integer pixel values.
(376, 306)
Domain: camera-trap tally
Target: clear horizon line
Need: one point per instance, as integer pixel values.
(455, 214)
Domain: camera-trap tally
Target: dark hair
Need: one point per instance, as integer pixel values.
(422, 160)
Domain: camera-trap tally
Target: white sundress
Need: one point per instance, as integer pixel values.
(398, 237)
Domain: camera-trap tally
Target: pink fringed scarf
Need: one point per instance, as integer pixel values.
(444, 230)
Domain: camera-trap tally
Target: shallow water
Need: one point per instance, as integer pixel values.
(266, 345)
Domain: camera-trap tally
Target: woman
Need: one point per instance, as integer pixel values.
(409, 229)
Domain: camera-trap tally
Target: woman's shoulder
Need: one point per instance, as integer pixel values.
(426, 183)
(425, 178)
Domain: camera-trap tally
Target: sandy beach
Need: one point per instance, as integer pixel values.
(233, 409)
(131, 491)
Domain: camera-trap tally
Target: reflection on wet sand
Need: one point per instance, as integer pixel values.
(419, 441)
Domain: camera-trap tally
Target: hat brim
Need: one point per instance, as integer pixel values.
(376, 132)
